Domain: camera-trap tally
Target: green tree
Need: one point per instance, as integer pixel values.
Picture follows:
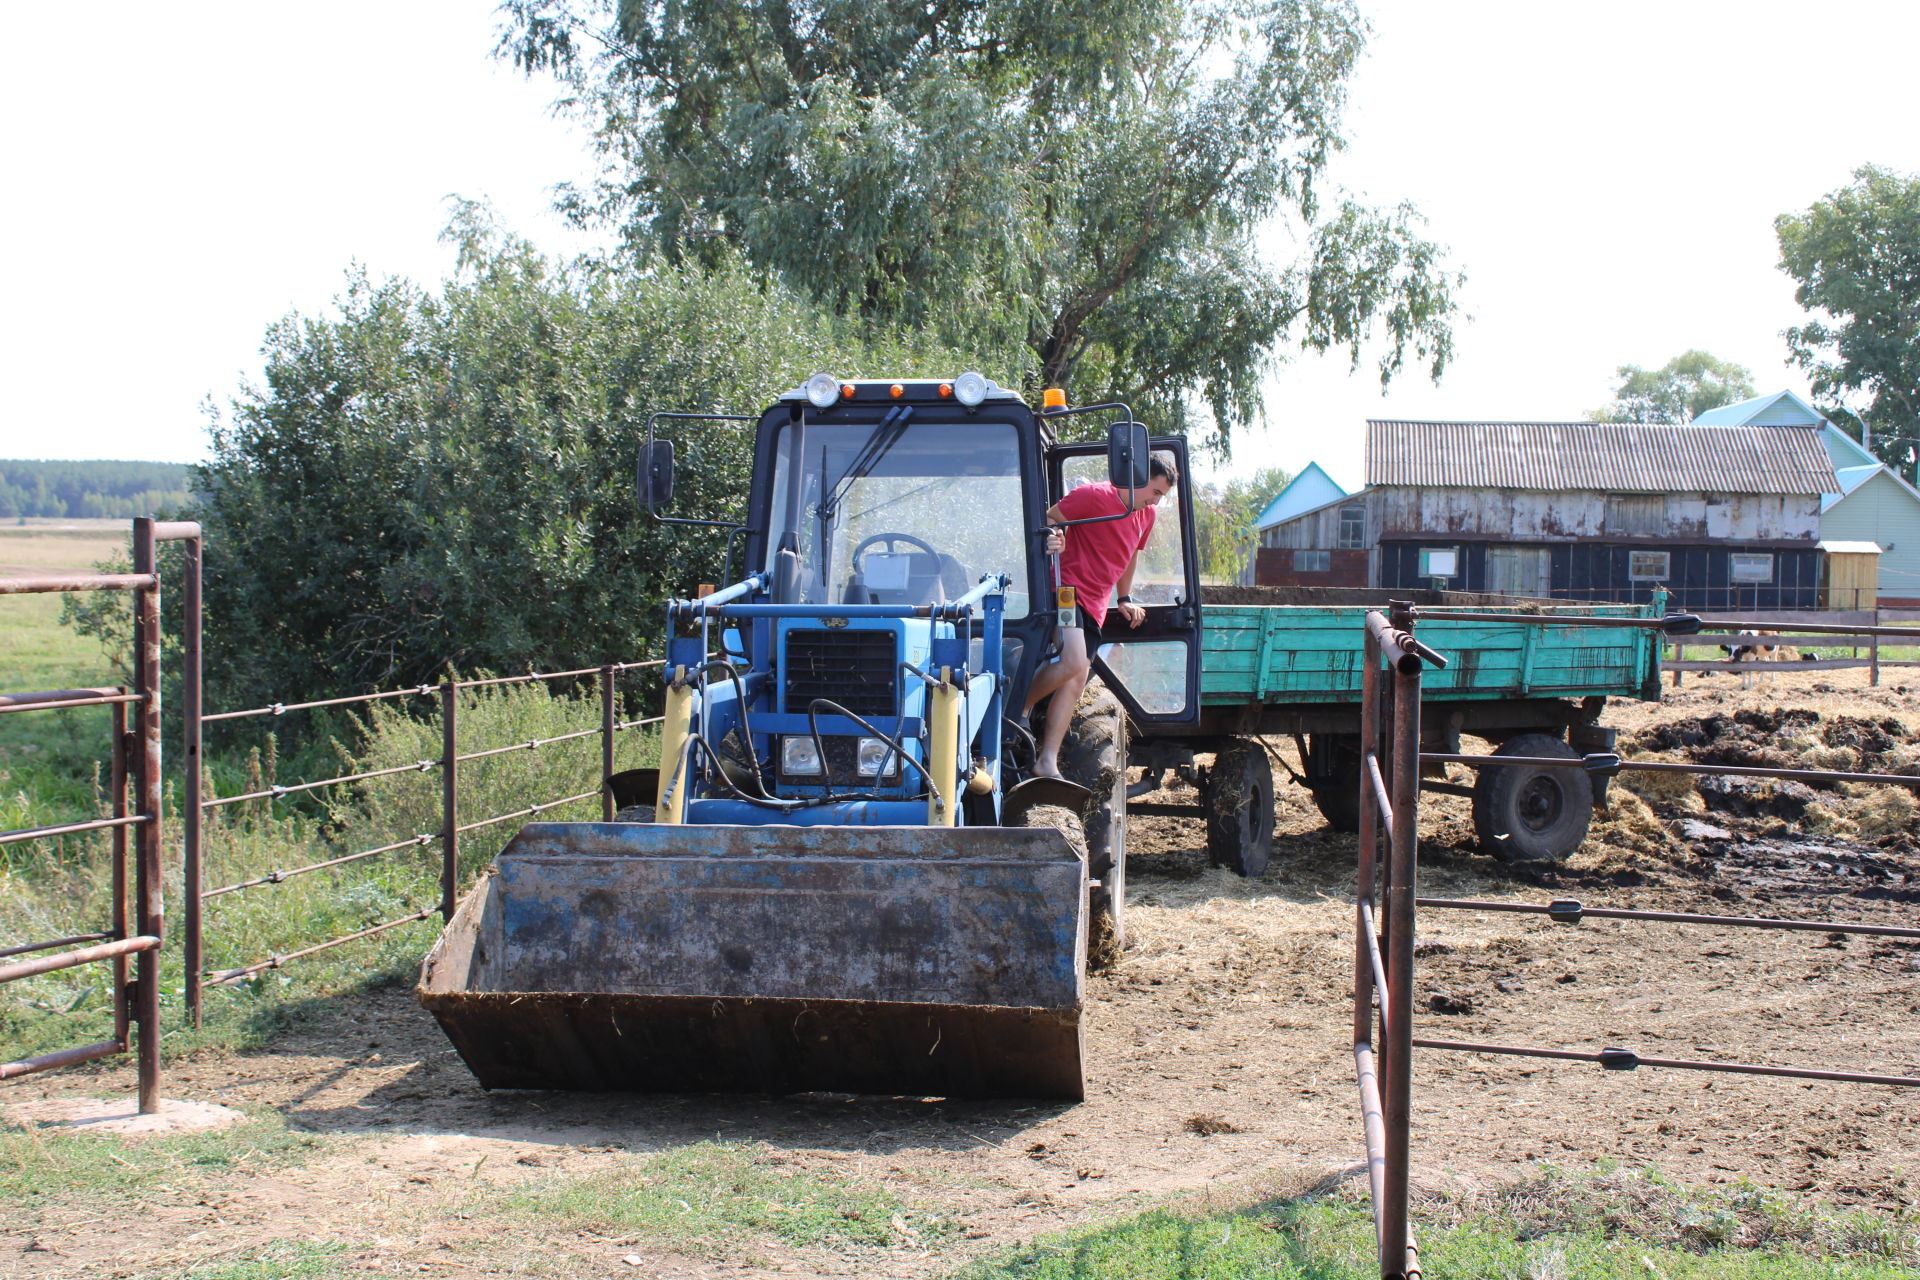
(1679, 391)
(1086, 180)
(436, 477)
(1856, 258)
(1223, 516)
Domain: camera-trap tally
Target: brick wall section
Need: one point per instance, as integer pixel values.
(1273, 567)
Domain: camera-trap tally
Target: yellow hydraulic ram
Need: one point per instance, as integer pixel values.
(943, 749)
(676, 724)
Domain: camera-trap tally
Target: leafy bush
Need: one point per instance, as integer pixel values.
(446, 478)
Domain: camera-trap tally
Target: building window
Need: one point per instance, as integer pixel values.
(1439, 562)
(1750, 567)
(1648, 566)
(1637, 515)
(1353, 527)
(1312, 561)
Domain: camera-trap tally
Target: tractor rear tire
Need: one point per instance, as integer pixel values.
(635, 813)
(1240, 808)
(1532, 813)
(1094, 754)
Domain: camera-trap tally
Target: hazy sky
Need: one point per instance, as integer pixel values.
(1607, 176)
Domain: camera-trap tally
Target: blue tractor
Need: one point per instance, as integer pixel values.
(841, 876)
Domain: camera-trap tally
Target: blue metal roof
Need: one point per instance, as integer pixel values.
(1778, 409)
(1312, 488)
(1850, 478)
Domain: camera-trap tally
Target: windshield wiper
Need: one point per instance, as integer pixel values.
(884, 437)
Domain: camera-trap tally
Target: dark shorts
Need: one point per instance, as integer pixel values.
(1092, 630)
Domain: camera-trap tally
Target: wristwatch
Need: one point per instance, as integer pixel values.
(1124, 600)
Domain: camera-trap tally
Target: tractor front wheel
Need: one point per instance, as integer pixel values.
(1094, 755)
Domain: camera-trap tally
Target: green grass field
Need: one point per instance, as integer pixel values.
(1605, 1225)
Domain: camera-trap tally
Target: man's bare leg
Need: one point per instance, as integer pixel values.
(1051, 674)
(1063, 680)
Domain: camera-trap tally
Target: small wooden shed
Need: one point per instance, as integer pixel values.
(1851, 573)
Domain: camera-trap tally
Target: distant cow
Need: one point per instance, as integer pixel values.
(1753, 647)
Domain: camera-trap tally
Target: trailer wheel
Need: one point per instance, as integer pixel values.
(1240, 808)
(1333, 767)
(1094, 754)
(635, 813)
(1532, 812)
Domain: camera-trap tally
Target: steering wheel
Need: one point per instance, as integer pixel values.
(888, 538)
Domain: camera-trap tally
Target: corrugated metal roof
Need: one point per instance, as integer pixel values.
(1619, 457)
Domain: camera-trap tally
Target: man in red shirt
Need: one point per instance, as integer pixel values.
(1094, 559)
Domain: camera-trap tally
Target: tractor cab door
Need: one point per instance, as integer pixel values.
(1154, 669)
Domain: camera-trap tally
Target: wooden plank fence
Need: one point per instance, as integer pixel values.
(1780, 632)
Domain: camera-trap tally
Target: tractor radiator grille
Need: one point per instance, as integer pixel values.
(857, 669)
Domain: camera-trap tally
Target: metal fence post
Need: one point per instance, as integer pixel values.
(192, 706)
(607, 721)
(1402, 886)
(117, 784)
(149, 905)
(449, 796)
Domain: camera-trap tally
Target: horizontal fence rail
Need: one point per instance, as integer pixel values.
(46, 584)
(1571, 911)
(57, 699)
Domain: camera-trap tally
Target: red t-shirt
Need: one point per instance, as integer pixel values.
(1097, 554)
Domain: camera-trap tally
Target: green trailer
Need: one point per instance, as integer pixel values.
(1286, 662)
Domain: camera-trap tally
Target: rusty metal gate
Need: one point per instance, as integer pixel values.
(135, 758)
(1387, 901)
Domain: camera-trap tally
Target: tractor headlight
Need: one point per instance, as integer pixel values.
(798, 755)
(874, 757)
(823, 391)
(971, 388)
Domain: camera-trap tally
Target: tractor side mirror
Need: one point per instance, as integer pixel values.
(653, 474)
(1128, 458)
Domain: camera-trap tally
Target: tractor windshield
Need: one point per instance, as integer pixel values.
(893, 513)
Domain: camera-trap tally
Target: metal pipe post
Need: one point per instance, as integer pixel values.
(117, 926)
(449, 796)
(607, 721)
(1402, 886)
(192, 706)
(1369, 834)
(149, 905)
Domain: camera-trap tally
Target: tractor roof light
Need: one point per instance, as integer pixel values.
(971, 388)
(823, 390)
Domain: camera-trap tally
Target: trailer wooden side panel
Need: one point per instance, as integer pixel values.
(1293, 654)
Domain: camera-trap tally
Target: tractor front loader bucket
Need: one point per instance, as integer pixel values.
(929, 961)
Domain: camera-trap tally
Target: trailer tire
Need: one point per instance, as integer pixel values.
(1240, 808)
(1333, 766)
(1532, 813)
(1094, 754)
(635, 813)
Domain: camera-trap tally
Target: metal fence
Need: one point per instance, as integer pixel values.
(1387, 902)
(135, 757)
(446, 835)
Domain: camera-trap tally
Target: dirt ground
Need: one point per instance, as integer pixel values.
(1218, 1050)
